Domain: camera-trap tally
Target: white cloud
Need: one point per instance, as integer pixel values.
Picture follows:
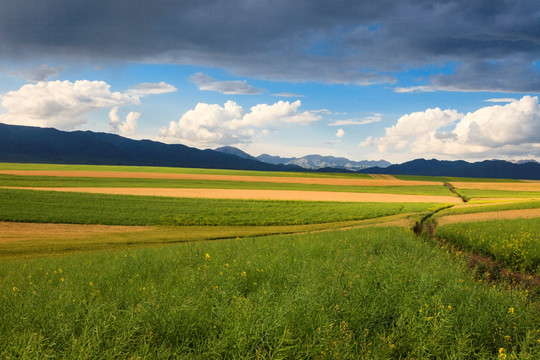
(492, 131)
(501, 100)
(210, 125)
(361, 121)
(340, 133)
(152, 89)
(414, 89)
(235, 87)
(124, 128)
(60, 104)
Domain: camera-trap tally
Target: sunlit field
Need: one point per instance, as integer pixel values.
(124, 276)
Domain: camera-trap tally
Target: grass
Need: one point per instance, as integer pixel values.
(45, 240)
(71, 208)
(477, 193)
(374, 293)
(513, 243)
(50, 181)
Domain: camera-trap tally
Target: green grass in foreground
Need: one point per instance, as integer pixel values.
(49, 181)
(490, 207)
(374, 293)
(514, 243)
(80, 208)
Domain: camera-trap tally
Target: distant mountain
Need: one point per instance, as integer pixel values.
(315, 162)
(47, 145)
(484, 169)
(274, 159)
(231, 150)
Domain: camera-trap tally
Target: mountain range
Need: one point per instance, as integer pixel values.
(27, 144)
(312, 162)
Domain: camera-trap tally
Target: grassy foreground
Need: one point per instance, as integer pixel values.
(361, 294)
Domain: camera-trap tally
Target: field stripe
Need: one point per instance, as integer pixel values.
(491, 215)
(245, 178)
(524, 186)
(257, 194)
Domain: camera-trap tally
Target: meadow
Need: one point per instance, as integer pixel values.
(250, 279)
(514, 243)
(366, 293)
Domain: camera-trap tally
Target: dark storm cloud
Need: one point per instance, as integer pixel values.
(334, 41)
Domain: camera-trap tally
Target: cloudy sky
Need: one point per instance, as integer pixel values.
(387, 79)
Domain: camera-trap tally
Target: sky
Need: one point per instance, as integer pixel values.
(366, 80)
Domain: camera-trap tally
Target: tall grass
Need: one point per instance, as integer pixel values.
(514, 243)
(375, 293)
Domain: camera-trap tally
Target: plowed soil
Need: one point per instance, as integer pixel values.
(261, 194)
(492, 215)
(270, 179)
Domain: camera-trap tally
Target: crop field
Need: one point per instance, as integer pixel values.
(514, 243)
(333, 270)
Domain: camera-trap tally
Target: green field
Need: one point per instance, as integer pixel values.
(367, 293)
(81, 208)
(477, 193)
(174, 170)
(52, 181)
(279, 280)
(514, 243)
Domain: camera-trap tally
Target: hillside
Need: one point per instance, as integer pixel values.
(47, 145)
(484, 169)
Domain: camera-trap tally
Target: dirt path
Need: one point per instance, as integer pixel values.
(259, 194)
(270, 179)
(491, 215)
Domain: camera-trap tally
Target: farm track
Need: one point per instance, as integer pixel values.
(257, 194)
(268, 179)
(477, 260)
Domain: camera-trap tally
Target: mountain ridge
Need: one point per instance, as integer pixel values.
(26, 144)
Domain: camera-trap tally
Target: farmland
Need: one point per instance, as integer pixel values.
(97, 275)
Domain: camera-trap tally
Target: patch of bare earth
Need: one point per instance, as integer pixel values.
(491, 215)
(517, 186)
(269, 179)
(259, 194)
(15, 231)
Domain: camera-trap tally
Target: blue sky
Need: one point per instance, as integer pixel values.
(393, 80)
